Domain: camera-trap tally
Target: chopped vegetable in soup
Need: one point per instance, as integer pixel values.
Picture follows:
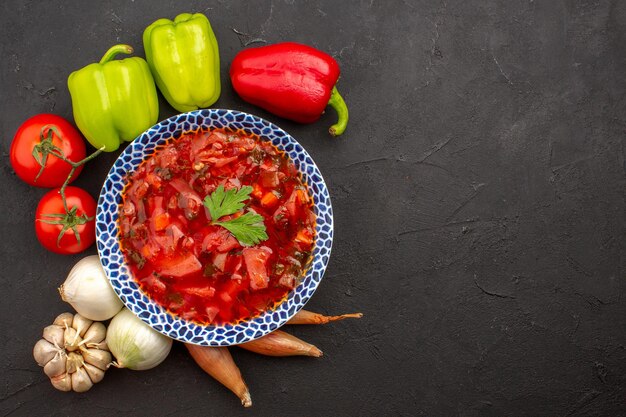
(225, 269)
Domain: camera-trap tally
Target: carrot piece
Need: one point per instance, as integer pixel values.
(161, 221)
(308, 317)
(301, 196)
(304, 236)
(217, 362)
(257, 191)
(279, 343)
(269, 199)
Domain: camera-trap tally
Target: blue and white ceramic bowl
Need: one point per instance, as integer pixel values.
(107, 229)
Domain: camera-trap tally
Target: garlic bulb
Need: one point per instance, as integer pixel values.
(88, 290)
(73, 352)
(134, 344)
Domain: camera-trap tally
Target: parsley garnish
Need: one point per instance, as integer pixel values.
(222, 203)
(248, 228)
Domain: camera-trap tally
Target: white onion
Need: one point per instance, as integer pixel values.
(134, 344)
(88, 290)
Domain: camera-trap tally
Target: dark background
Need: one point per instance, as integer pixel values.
(478, 196)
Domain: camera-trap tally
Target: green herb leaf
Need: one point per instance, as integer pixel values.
(224, 202)
(248, 229)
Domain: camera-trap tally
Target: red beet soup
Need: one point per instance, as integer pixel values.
(195, 268)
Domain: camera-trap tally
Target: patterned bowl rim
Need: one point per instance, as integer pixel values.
(118, 273)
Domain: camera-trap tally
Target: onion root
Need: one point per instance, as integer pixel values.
(308, 317)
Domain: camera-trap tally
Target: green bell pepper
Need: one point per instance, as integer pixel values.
(184, 59)
(114, 100)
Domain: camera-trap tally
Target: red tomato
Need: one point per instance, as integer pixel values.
(66, 140)
(51, 219)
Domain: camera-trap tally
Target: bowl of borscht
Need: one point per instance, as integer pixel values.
(214, 227)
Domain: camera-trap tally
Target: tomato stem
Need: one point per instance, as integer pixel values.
(46, 147)
(68, 220)
(75, 166)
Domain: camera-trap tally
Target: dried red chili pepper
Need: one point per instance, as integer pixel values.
(290, 80)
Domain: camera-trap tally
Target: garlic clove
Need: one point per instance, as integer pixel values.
(56, 365)
(95, 374)
(72, 339)
(44, 351)
(95, 334)
(54, 334)
(81, 381)
(101, 345)
(98, 358)
(64, 320)
(69, 360)
(74, 361)
(62, 382)
(81, 324)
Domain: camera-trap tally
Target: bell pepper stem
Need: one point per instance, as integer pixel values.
(114, 50)
(337, 103)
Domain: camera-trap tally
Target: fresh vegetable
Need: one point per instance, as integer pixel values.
(184, 59)
(280, 343)
(48, 151)
(36, 145)
(217, 362)
(205, 272)
(88, 290)
(73, 352)
(291, 80)
(134, 344)
(66, 226)
(66, 210)
(113, 100)
(248, 228)
(308, 317)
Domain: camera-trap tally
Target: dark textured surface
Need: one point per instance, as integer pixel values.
(478, 197)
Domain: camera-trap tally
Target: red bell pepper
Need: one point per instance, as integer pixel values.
(290, 80)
